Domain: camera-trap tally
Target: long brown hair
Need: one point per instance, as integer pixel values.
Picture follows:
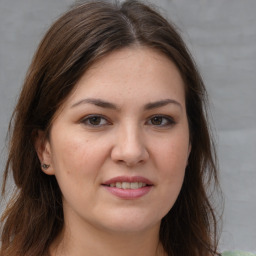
(87, 32)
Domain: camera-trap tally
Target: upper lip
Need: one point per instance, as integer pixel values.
(128, 179)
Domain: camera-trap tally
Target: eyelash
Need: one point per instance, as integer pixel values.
(169, 121)
(87, 120)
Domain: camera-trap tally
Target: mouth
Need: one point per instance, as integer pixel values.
(128, 187)
(127, 182)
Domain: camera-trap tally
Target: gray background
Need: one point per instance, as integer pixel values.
(222, 37)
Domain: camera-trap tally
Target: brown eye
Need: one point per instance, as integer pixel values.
(95, 120)
(157, 120)
(161, 121)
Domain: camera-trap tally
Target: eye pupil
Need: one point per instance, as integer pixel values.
(157, 120)
(95, 120)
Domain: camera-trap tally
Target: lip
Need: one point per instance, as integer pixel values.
(128, 194)
(128, 179)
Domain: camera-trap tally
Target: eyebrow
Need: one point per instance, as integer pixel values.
(161, 103)
(98, 102)
(105, 104)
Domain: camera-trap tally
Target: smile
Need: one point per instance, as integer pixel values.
(128, 185)
(128, 188)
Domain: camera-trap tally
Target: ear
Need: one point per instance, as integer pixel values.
(43, 149)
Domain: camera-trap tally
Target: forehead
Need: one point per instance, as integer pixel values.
(137, 71)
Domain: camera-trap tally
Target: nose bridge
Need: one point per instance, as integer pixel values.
(129, 144)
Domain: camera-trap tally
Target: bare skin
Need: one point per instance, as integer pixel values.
(110, 244)
(125, 118)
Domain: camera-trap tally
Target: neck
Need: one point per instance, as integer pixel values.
(87, 240)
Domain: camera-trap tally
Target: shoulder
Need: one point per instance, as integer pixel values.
(237, 253)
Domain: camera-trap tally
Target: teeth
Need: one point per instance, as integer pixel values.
(118, 185)
(128, 185)
(134, 185)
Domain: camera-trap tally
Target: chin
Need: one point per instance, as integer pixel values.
(131, 222)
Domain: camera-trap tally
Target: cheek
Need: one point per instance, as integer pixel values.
(75, 155)
(173, 167)
(77, 163)
(172, 155)
(170, 168)
(171, 161)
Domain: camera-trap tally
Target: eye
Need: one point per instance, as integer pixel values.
(161, 120)
(95, 120)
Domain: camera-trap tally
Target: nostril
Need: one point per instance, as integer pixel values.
(129, 148)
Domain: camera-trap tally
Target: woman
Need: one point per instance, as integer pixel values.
(110, 147)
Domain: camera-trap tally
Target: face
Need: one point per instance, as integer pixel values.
(120, 144)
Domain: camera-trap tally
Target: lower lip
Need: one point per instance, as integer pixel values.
(129, 193)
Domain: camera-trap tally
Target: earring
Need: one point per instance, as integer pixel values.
(45, 166)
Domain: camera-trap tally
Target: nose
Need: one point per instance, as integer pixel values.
(129, 147)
